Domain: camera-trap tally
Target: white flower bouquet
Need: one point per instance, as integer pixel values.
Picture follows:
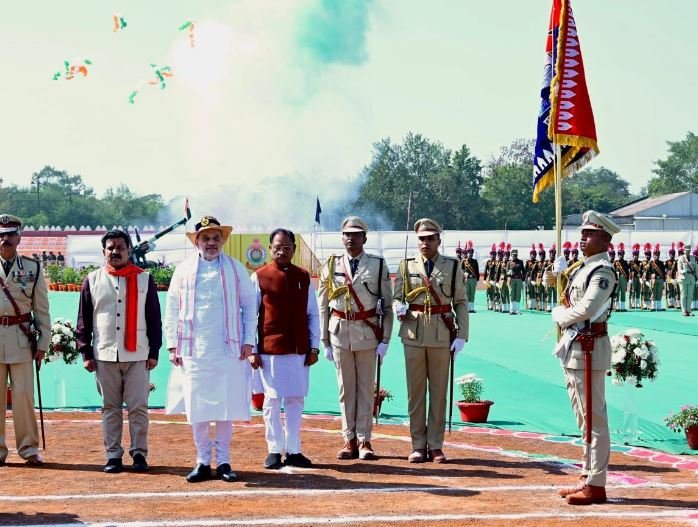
(633, 357)
(63, 343)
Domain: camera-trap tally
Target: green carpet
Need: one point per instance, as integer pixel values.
(513, 356)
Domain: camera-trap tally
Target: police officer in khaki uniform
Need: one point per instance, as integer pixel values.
(588, 300)
(355, 294)
(428, 289)
(686, 277)
(23, 310)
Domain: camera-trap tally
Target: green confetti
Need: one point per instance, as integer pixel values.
(185, 25)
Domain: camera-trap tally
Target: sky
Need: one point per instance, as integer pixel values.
(281, 100)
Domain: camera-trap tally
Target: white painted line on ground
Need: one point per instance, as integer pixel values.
(321, 492)
(682, 514)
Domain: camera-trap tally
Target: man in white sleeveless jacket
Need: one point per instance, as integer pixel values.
(119, 333)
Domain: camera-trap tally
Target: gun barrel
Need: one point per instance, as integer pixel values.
(167, 230)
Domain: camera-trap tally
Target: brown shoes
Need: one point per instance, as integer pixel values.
(366, 451)
(437, 456)
(588, 495)
(418, 455)
(564, 492)
(350, 450)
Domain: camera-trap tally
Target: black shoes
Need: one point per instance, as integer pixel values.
(200, 473)
(273, 462)
(226, 473)
(139, 463)
(114, 465)
(298, 460)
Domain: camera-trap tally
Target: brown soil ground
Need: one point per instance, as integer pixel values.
(478, 486)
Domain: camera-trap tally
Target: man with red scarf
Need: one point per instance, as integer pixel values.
(119, 333)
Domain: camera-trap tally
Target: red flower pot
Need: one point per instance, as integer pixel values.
(9, 399)
(474, 412)
(692, 437)
(257, 401)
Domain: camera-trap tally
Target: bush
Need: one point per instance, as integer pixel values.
(471, 387)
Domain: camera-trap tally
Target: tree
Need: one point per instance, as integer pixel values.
(599, 189)
(431, 172)
(679, 171)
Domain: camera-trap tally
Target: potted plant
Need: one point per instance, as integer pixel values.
(378, 397)
(54, 273)
(633, 358)
(686, 420)
(162, 276)
(472, 408)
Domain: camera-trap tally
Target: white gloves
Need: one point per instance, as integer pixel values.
(559, 265)
(457, 346)
(400, 308)
(557, 313)
(328, 350)
(381, 351)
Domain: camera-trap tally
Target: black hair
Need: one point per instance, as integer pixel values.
(115, 234)
(285, 232)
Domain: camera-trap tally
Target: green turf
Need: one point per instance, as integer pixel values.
(510, 353)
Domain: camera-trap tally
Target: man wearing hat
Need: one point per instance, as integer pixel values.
(471, 271)
(588, 300)
(428, 289)
(489, 277)
(623, 271)
(355, 294)
(671, 287)
(25, 332)
(635, 278)
(210, 330)
(119, 333)
(515, 275)
(686, 277)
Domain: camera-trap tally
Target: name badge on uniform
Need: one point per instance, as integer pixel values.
(340, 274)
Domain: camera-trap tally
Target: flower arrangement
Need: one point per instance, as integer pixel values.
(686, 418)
(382, 394)
(63, 342)
(633, 357)
(471, 387)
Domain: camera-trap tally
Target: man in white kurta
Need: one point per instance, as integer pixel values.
(210, 327)
(287, 345)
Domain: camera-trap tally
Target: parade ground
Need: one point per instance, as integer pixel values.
(504, 472)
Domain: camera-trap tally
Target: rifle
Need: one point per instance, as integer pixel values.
(143, 247)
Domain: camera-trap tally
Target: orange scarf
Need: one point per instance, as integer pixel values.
(130, 272)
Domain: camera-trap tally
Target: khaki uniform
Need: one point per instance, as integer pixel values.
(686, 277)
(585, 301)
(426, 340)
(26, 284)
(622, 269)
(354, 342)
(471, 272)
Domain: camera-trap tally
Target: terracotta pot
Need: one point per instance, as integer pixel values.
(257, 401)
(162, 287)
(692, 437)
(52, 287)
(61, 287)
(474, 412)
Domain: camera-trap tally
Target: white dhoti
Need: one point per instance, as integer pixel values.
(285, 381)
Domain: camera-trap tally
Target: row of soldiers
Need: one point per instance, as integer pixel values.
(645, 282)
(641, 284)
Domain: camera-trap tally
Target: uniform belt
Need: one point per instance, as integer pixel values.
(435, 310)
(358, 315)
(9, 320)
(596, 329)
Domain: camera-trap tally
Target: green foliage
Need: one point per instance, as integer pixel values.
(432, 173)
(679, 171)
(686, 418)
(471, 387)
(54, 272)
(70, 276)
(162, 275)
(599, 189)
(56, 198)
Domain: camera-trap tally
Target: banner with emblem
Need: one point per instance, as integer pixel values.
(565, 116)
